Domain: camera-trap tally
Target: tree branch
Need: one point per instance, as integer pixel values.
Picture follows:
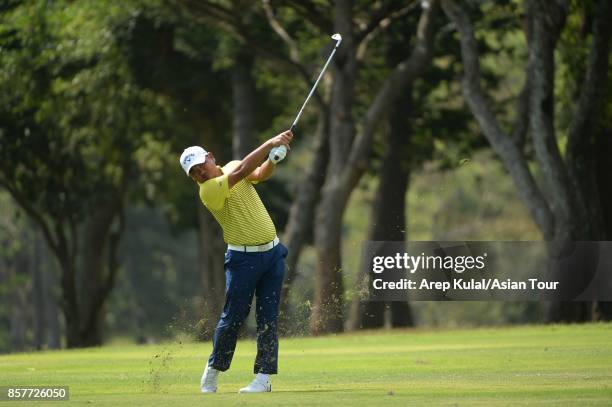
(377, 25)
(206, 12)
(38, 218)
(310, 12)
(404, 73)
(282, 33)
(214, 10)
(521, 107)
(380, 16)
(506, 149)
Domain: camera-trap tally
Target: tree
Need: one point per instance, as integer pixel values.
(349, 148)
(71, 122)
(566, 210)
(388, 221)
(425, 113)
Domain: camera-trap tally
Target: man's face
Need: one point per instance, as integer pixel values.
(204, 171)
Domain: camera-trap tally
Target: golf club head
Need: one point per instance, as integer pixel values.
(338, 39)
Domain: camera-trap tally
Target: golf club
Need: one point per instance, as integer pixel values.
(278, 153)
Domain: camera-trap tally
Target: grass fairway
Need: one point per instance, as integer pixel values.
(546, 365)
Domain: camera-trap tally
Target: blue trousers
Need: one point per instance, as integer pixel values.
(259, 273)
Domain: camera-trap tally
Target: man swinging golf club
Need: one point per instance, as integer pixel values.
(254, 261)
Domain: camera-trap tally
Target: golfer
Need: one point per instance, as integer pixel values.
(254, 261)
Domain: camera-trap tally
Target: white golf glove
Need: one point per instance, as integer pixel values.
(277, 154)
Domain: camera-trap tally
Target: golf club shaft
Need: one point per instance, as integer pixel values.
(278, 153)
(314, 87)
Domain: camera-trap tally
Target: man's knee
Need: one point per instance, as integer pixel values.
(266, 314)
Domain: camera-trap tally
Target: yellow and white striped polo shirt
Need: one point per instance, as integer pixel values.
(239, 210)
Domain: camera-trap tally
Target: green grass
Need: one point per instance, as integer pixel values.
(544, 365)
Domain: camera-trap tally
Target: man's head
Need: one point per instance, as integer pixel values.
(199, 164)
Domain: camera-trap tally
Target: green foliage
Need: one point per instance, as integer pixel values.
(155, 292)
(71, 116)
(76, 131)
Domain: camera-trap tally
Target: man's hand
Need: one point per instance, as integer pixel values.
(280, 147)
(282, 139)
(251, 162)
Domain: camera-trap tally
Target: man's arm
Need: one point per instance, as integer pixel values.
(256, 157)
(263, 172)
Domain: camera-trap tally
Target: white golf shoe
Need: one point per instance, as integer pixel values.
(208, 383)
(257, 386)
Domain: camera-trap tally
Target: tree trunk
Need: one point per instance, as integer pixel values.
(583, 220)
(586, 135)
(211, 249)
(244, 100)
(50, 287)
(548, 21)
(590, 143)
(18, 303)
(394, 193)
(68, 301)
(388, 222)
(563, 211)
(401, 315)
(299, 227)
(98, 267)
(91, 276)
(349, 153)
(327, 310)
(603, 152)
(38, 289)
(88, 267)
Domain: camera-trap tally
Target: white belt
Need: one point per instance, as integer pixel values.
(259, 248)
